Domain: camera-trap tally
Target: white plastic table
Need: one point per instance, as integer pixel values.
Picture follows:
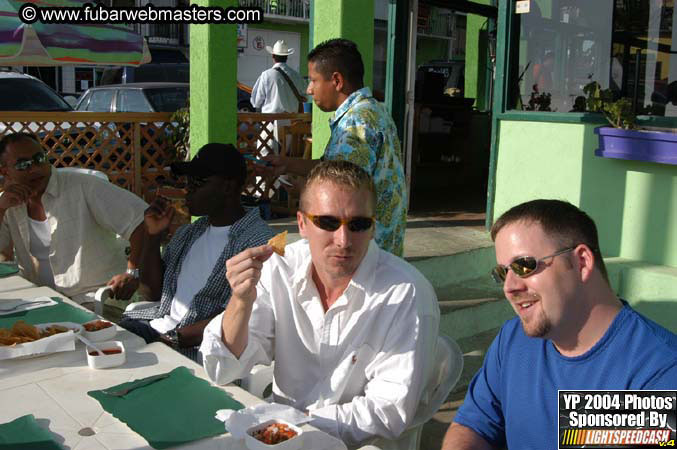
(54, 389)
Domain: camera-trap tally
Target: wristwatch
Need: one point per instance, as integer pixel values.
(173, 337)
(133, 272)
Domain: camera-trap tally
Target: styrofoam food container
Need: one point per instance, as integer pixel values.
(97, 361)
(105, 334)
(294, 443)
(60, 342)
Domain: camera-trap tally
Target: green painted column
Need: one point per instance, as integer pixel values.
(476, 58)
(396, 78)
(213, 81)
(350, 19)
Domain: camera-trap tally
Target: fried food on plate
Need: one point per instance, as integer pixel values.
(21, 332)
(278, 242)
(22, 329)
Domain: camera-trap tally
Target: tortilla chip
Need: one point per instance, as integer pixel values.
(180, 206)
(22, 329)
(278, 242)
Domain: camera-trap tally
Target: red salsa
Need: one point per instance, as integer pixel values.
(106, 351)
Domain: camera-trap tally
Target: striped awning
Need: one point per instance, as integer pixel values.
(65, 44)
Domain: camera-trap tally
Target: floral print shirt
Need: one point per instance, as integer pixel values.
(363, 132)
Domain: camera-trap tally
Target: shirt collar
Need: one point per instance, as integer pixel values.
(53, 185)
(279, 65)
(348, 103)
(362, 278)
(365, 273)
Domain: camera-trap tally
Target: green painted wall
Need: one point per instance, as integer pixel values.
(476, 58)
(351, 19)
(633, 203)
(302, 29)
(428, 48)
(213, 67)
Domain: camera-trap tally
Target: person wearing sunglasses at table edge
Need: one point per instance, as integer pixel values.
(188, 279)
(352, 328)
(572, 333)
(63, 225)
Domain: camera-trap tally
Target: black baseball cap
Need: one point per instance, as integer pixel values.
(214, 159)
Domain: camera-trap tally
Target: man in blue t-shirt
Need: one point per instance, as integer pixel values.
(575, 334)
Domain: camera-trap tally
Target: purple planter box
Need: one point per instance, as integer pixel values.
(652, 146)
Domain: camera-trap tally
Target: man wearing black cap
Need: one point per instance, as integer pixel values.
(189, 279)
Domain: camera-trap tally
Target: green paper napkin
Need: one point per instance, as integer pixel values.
(172, 411)
(24, 433)
(8, 269)
(61, 312)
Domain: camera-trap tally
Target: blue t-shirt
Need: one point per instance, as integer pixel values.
(513, 398)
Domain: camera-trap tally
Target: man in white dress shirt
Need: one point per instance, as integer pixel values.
(272, 92)
(352, 328)
(277, 90)
(63, 225)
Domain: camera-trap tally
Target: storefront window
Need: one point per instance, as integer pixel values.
(624, 45)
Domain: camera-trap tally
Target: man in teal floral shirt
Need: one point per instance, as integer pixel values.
(362, 132)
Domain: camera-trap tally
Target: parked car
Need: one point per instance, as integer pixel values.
(21, 92)
(174, 72)
(135, 97)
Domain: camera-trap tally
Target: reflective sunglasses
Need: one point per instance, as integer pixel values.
(331, 223)
(523, 266)
(25, 164)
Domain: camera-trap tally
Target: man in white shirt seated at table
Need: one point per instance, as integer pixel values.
(188, 279)
(63, 225)
(352, 328)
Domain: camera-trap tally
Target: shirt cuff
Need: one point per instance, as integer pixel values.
(326, 419)
(219, 363)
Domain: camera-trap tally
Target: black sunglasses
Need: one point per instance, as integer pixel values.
(25, 164)
(331, 223)
(196, 182)
(523, 266)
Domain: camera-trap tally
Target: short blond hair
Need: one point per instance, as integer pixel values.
(341, 173)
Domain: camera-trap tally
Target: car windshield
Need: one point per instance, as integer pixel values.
(24, 94)
(167, 99)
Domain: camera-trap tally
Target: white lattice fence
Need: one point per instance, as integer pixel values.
(131, 148)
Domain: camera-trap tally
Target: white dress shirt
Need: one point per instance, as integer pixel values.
(272, 93)
(360, 367)
(85, 213)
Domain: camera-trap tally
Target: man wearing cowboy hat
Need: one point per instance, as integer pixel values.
(274, 92)
(278, 90)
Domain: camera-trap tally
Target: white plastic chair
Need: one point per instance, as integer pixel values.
(445, 375)
(96, 173)
(259, 378)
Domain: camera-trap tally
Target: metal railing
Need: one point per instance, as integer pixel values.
(162, 33)
(298, 9)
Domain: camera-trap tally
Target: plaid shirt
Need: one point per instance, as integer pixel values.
(250, 231)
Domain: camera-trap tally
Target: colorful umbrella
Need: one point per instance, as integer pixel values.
(65, 44)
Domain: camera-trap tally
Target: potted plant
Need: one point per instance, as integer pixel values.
(623, 139)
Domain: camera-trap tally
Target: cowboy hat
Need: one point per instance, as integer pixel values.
(280, 48)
